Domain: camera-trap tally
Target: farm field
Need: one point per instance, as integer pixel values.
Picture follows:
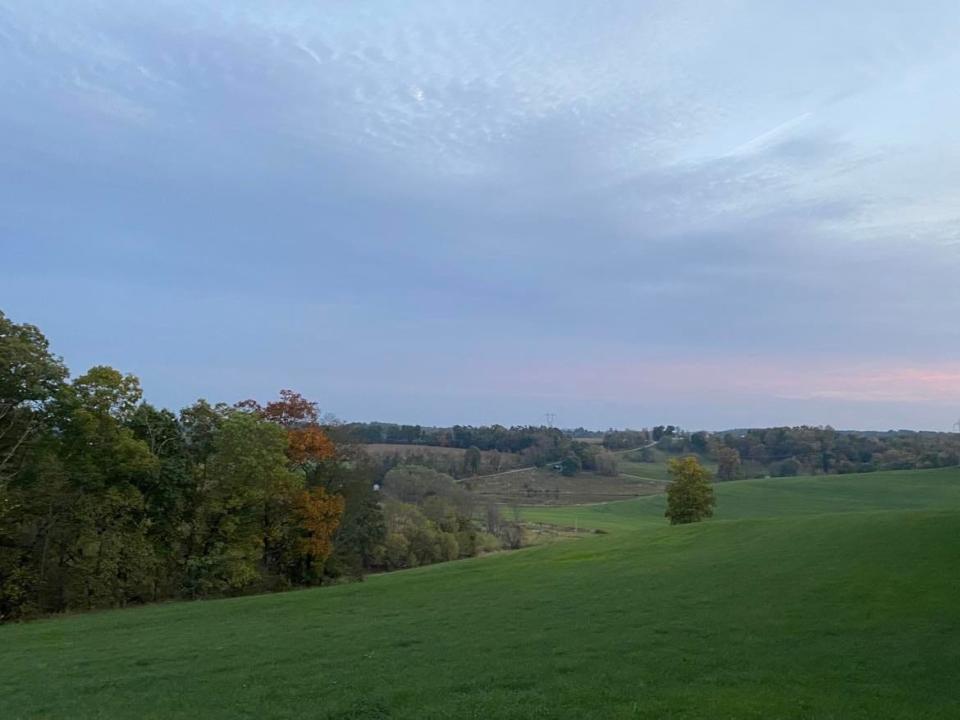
(504, 480)
(542, 486)
(656, 470)
(828, 597)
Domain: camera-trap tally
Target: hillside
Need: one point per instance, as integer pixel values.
(778, 497)
(543, 486)
(808, 598)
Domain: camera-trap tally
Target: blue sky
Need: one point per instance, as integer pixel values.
(714, 214)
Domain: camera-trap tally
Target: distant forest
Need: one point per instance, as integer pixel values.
(762, 452)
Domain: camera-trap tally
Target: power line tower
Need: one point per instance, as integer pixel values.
(957, 425)
(550, 417)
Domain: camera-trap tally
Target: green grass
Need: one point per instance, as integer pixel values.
(783, 608)
(658, 469)
(777, 497)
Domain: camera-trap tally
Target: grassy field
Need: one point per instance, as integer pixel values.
(807, 598)
(504, 480)
(777, 497)
(656, 470)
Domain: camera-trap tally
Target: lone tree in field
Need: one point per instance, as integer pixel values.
(690, 495)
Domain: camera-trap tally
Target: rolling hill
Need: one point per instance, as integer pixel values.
(824, 598)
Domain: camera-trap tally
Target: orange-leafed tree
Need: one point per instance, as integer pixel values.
(308, 442)
(318, 514)
(291, 410)
(309, 445)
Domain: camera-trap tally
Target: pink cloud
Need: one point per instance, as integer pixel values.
(740, 378)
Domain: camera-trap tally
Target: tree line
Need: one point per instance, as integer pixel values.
(807, 450)
(106, 500)
(516, 439)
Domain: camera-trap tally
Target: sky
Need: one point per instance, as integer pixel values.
(716, 215)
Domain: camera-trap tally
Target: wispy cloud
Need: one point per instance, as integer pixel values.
(764, 139)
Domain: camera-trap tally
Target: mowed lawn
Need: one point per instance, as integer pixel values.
(781, 608)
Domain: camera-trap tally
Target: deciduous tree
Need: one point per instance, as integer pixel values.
(319, 516)
(728, 463)
(689, 495)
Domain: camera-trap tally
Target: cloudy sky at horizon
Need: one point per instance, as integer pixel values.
(713, 214)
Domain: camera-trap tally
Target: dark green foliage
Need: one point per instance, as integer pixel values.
(30, 378)
(471, 460)
(625, 439)
(788, 451)
(570, 465)
(791, 467)
(663, 431)
(699, 442)
(537, 445)
(358, 543)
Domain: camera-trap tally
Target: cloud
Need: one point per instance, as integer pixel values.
(463, 180)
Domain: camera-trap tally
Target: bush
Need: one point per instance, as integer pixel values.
(396, 552)
(570, 465)
(607, 465)
(485, 543)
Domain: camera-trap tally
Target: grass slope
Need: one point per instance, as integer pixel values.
(849, 615)
(777, 497)
(659, 468)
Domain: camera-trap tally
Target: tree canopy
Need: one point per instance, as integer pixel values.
(689, 496)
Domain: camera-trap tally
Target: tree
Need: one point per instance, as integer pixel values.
(471, 460)
(291, 410)
(699, 442)
(570, 465)
(790, 467)
(607, 465)
(690, 495)
(319, 516)
(30, 380)
(94, 535)
(415, 483)
(728, 464)
(30, 377)
(168, 493)
(243, 504)
(309, 445)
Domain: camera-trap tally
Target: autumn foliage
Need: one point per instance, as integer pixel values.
(319, 516)
(309, 444)
(291, 410)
